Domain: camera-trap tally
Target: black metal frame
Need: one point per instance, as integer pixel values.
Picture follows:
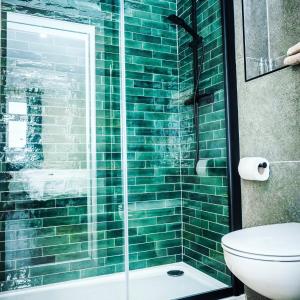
(244, 51)
(232, 122)
(231, 109)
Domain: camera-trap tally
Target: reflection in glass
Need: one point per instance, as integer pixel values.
(50, 145)
(270, 28)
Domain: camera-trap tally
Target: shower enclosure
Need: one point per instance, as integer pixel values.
(98, 183)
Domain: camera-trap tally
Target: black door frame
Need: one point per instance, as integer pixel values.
(233, 155)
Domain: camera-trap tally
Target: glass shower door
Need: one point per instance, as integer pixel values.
(61, 196)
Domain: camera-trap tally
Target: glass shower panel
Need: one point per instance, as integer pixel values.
(153, 148)
(153, 123)
(61, 191)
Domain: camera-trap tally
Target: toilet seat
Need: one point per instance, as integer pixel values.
(278, 242)
(262, 257)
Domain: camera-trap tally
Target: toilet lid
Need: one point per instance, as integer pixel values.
(269, 240)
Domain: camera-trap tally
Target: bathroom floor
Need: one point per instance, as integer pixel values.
(146, 284)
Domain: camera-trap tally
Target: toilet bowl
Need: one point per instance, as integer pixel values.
(266, 259)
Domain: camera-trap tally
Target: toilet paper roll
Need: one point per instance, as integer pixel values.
(250, 168)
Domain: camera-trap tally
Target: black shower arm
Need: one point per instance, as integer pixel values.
(192, 32)
(180, 22)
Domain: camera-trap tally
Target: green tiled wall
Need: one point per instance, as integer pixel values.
(170, 209)
(204, 196)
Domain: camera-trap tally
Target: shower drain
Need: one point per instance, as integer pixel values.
(175, 273)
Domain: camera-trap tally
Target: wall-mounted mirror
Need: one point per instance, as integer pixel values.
(270, 28)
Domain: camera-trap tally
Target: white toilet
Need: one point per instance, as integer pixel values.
(266, 259)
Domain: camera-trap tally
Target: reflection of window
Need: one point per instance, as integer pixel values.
(17, 108)
(17, 134)
(17, 130)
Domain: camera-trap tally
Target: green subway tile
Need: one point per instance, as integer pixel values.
(133, 265)
(214, 264)
(218, 209)
(212, 235)
(223, 229)
(205, 189)
(147, 255)
(169, 219)
(97, 271)
(50, 269)
(141, 247)
(205, 242)
(61, 249)
(160, 236)
(160, 212)
(160, 261)
(217, 181)
(84, 264)
(217, 256)
(138, 239)
(193, 254)
(47, 279)
(47, 241)
(221, 190)
(223, 220)
(169, 243)
(142, 222)
(114, 260)
(159, 187)
(149, 205)
(141, 197)
(146, 61)
(198, 248)
(60, 221)
(175, 251)
(110, 252)
(152, 229)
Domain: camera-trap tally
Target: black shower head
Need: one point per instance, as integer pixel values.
(180, 22)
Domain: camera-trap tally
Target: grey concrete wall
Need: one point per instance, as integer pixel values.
(269, 127)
